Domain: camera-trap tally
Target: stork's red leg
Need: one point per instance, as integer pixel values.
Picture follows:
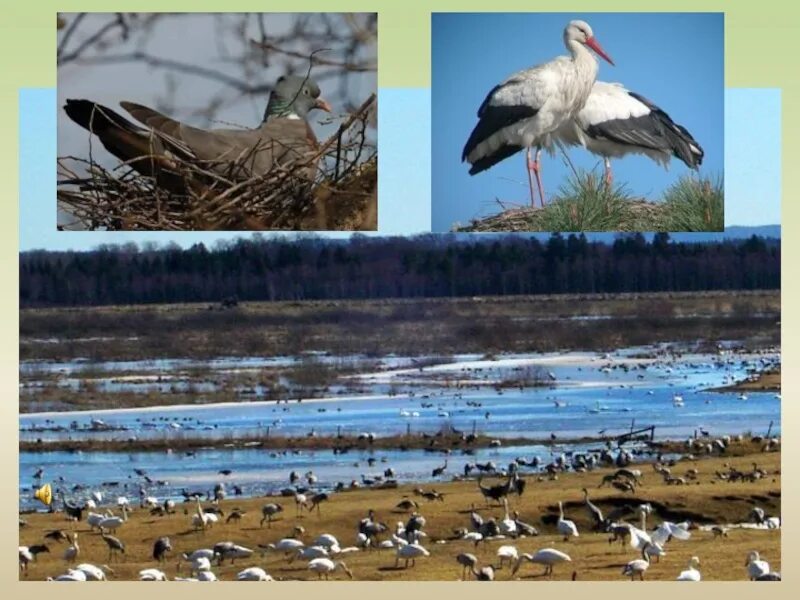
(534, 167)
(609, 176)
(531, 167)
(539, 175)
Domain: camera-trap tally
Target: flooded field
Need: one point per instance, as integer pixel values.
(536, 396)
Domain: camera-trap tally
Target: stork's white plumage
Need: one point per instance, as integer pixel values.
(615, 122)
(527, 108)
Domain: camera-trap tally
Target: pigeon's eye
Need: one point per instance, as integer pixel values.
(305, 91)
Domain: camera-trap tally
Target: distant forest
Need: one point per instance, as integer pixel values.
(311, 268)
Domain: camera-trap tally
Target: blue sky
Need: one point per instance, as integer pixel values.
(674, 59)
(753, 162)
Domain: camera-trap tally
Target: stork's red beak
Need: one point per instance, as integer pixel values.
(322, 104)
(594, 45)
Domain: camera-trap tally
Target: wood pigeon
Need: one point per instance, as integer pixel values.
(283, 137)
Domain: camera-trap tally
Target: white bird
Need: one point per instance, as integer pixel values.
(310, 553)
(638, 566)
(327, 540)
(73, 550)
(25, 558)
(152, 575)
(92, 572)
(755, 566)
(325, 566)
(507, 553)
(286, 545)
(549, 557)
(71, 575)
(206, 576)
(113, 522)
(253, 574)
(410, 552)
(94, 519)
(691, 574)
(207, 553)
(566, 527)
(525, 110)
(615, 122)
(668, 530)
(507, 525)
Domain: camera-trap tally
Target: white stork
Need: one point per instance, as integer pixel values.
(615, 122)
(527, 108)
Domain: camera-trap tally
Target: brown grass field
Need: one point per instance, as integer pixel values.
(593, 557)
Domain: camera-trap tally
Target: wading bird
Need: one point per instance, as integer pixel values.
(615, 122)
(526, 110)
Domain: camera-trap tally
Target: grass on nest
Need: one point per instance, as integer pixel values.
(585, 203)
(695, 204)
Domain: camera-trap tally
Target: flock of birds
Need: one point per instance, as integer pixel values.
(560, 102)
(324, 554)
(407, 540)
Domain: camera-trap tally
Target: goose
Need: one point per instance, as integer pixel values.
(253, 574)
(549, 557)
(410, 552)
(566, 527)
(325, 566)
(755, 566)
(638, 566)
(691, 574)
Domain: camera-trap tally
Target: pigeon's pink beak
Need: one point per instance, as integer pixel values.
(594, 45)
(322, 104)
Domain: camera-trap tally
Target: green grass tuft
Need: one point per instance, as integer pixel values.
(586, 203)
(695, 205)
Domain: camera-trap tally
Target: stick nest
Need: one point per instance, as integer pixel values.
(342, 195)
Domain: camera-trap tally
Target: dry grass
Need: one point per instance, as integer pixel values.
(586, 203)
(407, 327)
(592, 555)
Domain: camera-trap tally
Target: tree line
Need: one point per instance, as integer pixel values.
(361, 267)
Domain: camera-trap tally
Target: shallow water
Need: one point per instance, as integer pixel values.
(594, 394)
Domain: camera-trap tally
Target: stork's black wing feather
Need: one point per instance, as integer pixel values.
(493, 118)
(655, 130)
